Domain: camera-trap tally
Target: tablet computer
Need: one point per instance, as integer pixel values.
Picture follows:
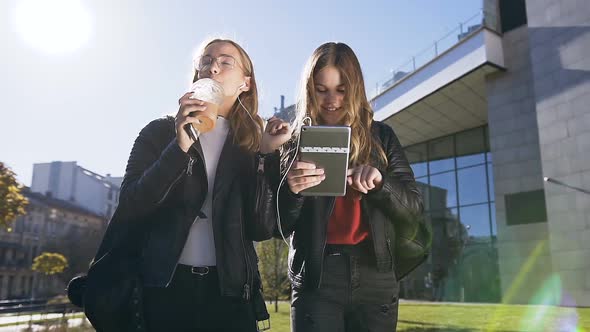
(328, 148)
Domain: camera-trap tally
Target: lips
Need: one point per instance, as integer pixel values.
(330, 109)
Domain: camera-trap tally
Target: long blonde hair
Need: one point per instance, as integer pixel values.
(247, 134)
(359, 114)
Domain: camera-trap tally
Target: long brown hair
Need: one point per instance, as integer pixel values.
(359, 114)
(247, 134)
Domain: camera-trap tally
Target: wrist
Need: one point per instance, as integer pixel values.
(264, 149)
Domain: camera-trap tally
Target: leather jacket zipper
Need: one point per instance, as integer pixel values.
(246, 292)
(325, 241)
(260, 169)
(189, 169)
(170, 187)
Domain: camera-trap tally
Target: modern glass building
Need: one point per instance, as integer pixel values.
(496, 124)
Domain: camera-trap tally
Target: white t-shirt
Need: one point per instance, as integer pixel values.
(199, 249)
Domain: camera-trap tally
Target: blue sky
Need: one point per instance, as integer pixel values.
(88, 104)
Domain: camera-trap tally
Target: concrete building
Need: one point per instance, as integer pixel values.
(51, 225)
(483, 123)
(70, 182)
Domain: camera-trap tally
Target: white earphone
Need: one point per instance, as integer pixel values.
(244, 107)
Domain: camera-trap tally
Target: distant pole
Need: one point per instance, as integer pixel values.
(557, 182)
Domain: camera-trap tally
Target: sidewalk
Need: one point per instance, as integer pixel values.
(21, 322)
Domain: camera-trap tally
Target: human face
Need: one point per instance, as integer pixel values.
(226, 68)
(330, 92)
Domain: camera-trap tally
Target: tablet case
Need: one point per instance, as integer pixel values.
(328, 148)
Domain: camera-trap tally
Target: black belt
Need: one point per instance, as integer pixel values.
(198, 270)
(360, 249)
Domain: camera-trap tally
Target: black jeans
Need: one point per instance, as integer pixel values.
(192, 302)
(353, 295)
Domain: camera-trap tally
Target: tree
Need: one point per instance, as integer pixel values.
(273, 269)
(12, 202)
(79, 246)
(49, 263)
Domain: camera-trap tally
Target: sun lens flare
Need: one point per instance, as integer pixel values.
(53, 27)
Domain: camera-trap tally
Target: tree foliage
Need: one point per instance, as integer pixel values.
(273, 269)
(12, 201)
(50, 263)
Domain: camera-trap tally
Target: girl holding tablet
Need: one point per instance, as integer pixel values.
(342, 267)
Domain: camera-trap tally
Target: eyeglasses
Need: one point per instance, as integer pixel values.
(224, 62)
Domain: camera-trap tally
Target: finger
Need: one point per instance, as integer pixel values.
(303, 165)
(349, 180)
(307, 179)
(302, 187)
(305, 172)
(190, 109)
(184, 96)
(187, 120)
(279, 128)
(371, 177)
(273, 120)
(357, 182)
(366, 170)
(350, 171)
(189, 97)
(276, 126)
(273, 127)
(185, 102)
(283, 125)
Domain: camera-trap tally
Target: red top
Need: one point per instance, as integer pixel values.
(345, 225)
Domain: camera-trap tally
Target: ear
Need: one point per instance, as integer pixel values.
(246, 87)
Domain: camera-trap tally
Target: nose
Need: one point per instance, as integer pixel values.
(214, 67)
(332, 98)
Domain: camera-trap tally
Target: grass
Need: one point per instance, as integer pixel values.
(454, 317)
(437, 317)
(42, 320)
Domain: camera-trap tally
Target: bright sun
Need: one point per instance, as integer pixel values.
(56, 26)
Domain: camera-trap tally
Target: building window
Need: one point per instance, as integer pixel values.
(10, 286)
(440, 155)
(455, 178)
(23, 285)
(512, 14)
(417, 156)
(525, 207)
(31, 285)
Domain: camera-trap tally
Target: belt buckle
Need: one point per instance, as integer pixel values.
(195, 271)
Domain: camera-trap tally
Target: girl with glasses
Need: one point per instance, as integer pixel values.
(190, 206)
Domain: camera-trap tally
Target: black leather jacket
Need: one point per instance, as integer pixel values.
(397, 200)
(162, 193)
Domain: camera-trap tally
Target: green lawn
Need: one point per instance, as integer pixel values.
(426, 317)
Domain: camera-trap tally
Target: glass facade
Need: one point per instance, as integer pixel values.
(454, 175)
